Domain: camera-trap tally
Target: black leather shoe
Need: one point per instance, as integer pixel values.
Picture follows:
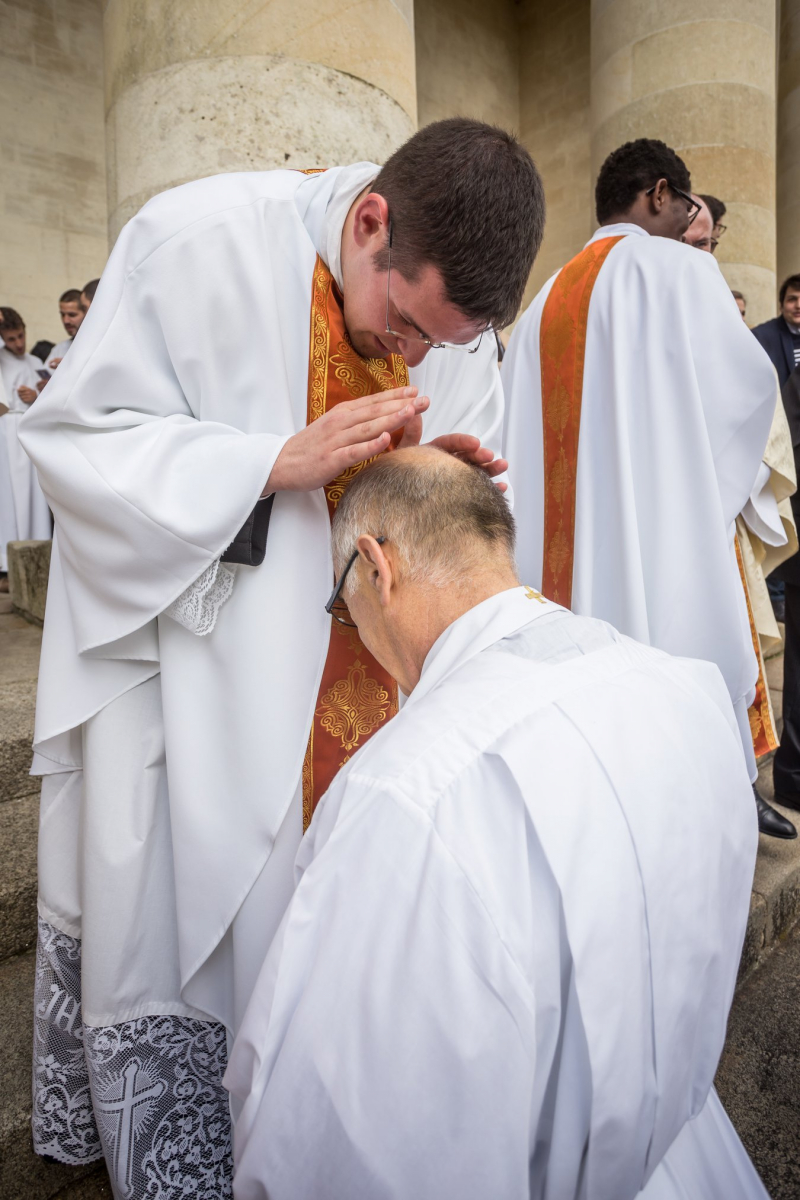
(770, 821)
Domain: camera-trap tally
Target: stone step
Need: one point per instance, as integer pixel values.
(775, 902)
(19, 821)
(19, 804)
(20, 643)
(23, 1175)
(28, 572)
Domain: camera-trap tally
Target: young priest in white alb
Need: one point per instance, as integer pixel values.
(638, 410)
(254, 334)
(492, 980)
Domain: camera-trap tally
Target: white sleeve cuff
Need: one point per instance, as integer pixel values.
(197, 607)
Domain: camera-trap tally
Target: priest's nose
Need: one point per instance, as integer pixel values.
(412, 350)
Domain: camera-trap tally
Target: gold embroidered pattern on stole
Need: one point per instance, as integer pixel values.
(308, 780)
(318, 354)
(354, 707)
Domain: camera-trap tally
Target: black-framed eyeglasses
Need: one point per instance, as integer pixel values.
(336, 595)
(418, 337)
(694, 207)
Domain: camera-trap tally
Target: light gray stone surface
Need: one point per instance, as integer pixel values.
(760, 1068)
(20, 643)
(19, 820)
(28, 570)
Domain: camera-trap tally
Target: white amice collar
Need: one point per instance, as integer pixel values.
(620, 229)
(349, 183)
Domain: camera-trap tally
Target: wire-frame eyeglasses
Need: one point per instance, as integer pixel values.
(336, 594)
(418, 337)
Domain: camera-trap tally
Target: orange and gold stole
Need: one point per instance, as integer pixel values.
(562, 348)
(762, 723)
(356, 696)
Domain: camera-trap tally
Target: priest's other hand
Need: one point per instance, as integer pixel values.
(27, 395)
(348, 434)
(461, 445)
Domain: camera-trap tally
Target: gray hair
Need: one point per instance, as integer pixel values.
(441, 514)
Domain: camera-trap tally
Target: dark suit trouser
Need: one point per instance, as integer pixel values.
(786, 768)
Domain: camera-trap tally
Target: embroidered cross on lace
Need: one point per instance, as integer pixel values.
(147, 1093)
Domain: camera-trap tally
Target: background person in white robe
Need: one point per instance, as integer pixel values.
(23, 509)
(765, 531)
(176, 694)
(675, 404)
(487, 983)
(72, 313)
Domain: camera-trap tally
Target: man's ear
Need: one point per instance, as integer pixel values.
(378, 570)
(659, 196)
(371, 221)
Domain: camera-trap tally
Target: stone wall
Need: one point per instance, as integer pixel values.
(53, 178)
(702, 78)
(468, 61)
(554, 124)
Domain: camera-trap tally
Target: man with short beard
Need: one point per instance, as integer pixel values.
(72, 313)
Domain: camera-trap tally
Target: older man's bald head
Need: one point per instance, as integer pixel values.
(441, 514)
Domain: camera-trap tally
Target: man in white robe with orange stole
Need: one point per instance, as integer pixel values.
(637, 414)
(507, 966)
(253, 335)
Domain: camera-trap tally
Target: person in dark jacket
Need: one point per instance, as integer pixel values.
(780, 337)
(786, 765)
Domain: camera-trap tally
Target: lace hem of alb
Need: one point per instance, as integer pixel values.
(146, 1094)
(197, 608)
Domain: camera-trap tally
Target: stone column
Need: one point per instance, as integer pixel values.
(468, 60)
(554, 124)
(789, 141)
(194, 89)
(702, 78)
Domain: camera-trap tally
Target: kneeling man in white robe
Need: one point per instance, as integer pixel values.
(507, 965)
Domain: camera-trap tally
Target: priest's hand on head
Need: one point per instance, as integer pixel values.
(348, 434)
(461, 445)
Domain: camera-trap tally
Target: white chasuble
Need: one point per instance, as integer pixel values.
(673, 409)
(24, 514)
(491, 980)
(153, 442)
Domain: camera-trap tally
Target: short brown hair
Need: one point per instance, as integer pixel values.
(467, 198)
(71, 296)
(715, 206)
(90, 288)
(792, 282)
(10, 319)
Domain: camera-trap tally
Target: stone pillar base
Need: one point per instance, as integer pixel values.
(28, 571)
